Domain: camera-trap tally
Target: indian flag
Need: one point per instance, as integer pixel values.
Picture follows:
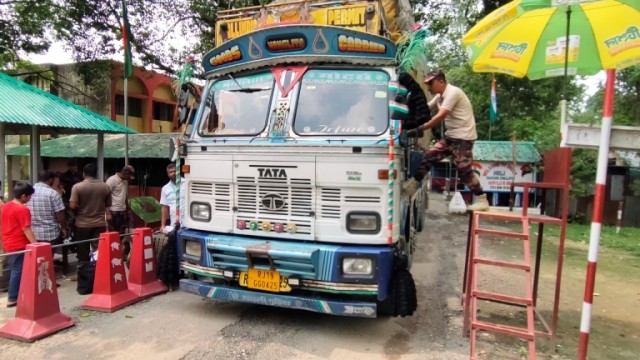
(493, 110)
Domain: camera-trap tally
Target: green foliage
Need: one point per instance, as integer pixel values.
(626, 101)
(23, 26)
(583, 171)
(96, 75)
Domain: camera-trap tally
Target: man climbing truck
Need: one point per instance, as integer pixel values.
(293, 167)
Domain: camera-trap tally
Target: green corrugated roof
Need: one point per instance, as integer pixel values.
(503, 151)
(23, 104)
(85, 146)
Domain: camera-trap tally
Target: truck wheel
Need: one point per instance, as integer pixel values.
(402, 300)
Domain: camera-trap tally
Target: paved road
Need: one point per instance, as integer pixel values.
(183, 326)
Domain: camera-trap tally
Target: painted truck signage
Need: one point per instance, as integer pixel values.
(361, 17)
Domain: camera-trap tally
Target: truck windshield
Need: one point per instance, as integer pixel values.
(342, 102)
(237, 106)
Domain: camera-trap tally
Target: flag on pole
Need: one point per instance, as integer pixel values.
(493, 110)
(126, 40)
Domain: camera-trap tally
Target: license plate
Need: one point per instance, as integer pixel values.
(267, 280)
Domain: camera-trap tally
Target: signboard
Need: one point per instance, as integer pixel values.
(296, 43)
(497, 176)
(363, 17)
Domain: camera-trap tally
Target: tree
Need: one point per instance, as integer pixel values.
(26, 26)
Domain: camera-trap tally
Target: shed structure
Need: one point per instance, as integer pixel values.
(27, 110)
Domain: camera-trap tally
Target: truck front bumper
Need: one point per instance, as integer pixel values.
(226, 293)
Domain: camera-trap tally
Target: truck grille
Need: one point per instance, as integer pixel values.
(219, 194)
(332, 200)
(276, 200)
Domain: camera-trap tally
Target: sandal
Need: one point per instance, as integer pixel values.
(11, 304)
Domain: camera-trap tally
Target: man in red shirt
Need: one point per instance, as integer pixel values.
(4, 283)
(16, 234)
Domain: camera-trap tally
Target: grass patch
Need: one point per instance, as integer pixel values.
(628, 239)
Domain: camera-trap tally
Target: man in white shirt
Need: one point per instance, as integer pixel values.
(168, 199)
(452, 106)
(120, 214)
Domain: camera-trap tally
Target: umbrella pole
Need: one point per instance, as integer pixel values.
(596, 218)
(564, 126)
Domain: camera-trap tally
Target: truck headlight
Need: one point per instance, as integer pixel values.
(200, 211)
(357, 266)
(193, 248)
(363, 222)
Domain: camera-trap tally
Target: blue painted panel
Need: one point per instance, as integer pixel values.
(302, 41)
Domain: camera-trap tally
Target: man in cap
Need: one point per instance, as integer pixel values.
(120, 214)
(452, 106)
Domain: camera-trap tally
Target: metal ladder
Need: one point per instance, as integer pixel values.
(474, 294)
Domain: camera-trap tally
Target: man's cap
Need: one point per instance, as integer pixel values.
(129, 170)
(434, 74)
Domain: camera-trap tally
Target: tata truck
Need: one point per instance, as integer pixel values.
(292, 170)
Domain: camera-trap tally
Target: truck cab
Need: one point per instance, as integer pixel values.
(292, 171)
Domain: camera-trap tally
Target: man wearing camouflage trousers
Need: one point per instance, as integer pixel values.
(452, 106)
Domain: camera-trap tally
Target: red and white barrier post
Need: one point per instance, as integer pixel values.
(38, 311)
(596, 220)
(143, 271)
(110, 290)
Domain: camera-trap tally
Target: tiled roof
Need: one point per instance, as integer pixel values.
(502, 151)
(85, 146)
(23, 105)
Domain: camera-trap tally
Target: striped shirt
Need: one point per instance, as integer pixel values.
(44, 205)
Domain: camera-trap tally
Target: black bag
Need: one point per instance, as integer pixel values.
(6, 275)
(86, 275)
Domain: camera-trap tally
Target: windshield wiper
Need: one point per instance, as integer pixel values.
(245, 90)
(249, 90)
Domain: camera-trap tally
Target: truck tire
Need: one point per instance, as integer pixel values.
(402, 300)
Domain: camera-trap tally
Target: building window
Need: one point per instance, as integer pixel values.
(135, 106)
(162, 111)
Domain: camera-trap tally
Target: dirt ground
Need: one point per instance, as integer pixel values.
(182, 326)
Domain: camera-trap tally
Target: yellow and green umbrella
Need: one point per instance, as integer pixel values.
(529, 37)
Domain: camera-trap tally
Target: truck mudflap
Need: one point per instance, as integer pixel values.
(225, 293)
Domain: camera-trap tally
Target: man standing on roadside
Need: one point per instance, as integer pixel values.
(47, 210)
(454, 108)
(90, 199)
(120, 213)
(16, 235)
(168, 199)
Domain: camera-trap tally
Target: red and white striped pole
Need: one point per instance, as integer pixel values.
(596, 220)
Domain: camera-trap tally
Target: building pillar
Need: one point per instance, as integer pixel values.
(100, 158)
(36, 163)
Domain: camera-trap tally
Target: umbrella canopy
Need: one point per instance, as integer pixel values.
(529, 37)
